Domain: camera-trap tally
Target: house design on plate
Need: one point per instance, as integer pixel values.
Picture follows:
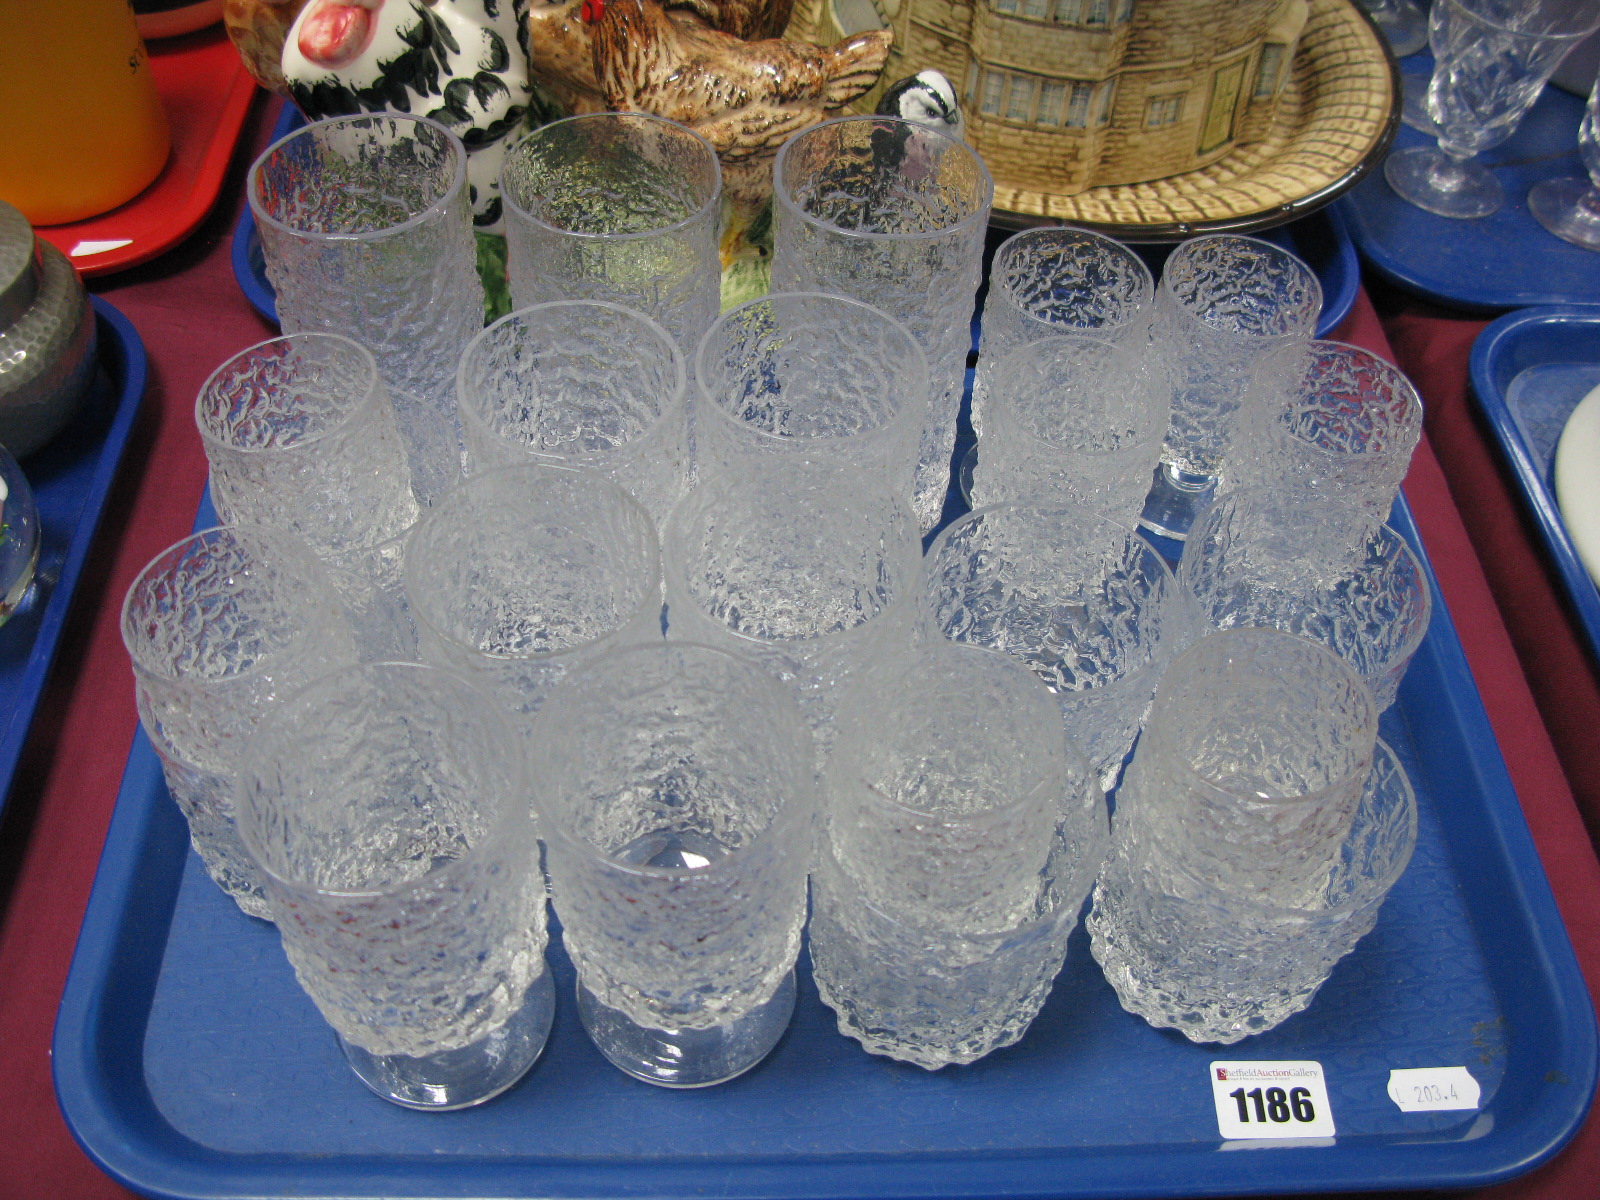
(1065, 95)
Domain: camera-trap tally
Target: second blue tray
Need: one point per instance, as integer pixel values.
(1504, 260)
(71, 479)
(189, 1064)
(1529, 371)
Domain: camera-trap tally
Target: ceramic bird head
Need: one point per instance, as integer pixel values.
(929, 98)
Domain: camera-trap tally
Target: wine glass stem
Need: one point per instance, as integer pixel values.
(1449, 173)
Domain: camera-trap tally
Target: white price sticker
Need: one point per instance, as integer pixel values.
(1271, 1100)
(1434, 1089)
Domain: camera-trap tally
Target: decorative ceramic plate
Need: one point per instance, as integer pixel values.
(1578, 480)
(1335, 121)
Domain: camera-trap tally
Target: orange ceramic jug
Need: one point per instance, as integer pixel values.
(81, 126)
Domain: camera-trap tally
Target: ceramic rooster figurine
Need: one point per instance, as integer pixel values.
(481, 67)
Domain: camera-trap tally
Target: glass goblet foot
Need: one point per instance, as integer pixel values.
(461, 1078)
(1568, 208)
(687, 1058)
(1448, 187)
(1414, 100)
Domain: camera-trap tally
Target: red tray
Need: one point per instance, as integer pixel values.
(207, 94)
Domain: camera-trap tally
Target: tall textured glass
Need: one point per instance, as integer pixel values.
(816, 587)
(366, 229)
(677, 789)
(521, 574)
(387, 806)
(221, 627)
(584, 384)
(892, 213)
(299, 433)
(1218, 964)
(1087, 604)
(1244, 565)
(1224, 303)
(621, 207)
(1059, 280)
(804, 381)
(962, 833)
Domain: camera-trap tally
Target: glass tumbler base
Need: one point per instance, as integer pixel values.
(1557, 204)
(1176, 500)
(1434, 182)
(461, 1078)
(687, 1058)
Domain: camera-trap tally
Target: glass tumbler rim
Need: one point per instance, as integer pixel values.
(801, 794)
(142, 664)
(715, 402)
(1181, 762)
(467, 397)
(210, 436)
(510, 815)
(1263, 497)
(1400, 385)
(712, 201)
(1164, 286)
(1012, 244)
(452, 190)
(410, 569)
(980, 210)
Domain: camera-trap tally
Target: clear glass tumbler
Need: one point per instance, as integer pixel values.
(1059, 280)
(1330, 429)
(585, 384)
(221, 627)
(1224, 302)
(366, 229)
(1252, 762)
(676, 787)
(1246, 567)
(300, 434)
(521, 574)
(1491, 58)
(815, 587)
(387, 805)
(1074, 420)
(622, 207)
(1186, 952)
(1087, 604)
(945, 785)
(891, 213)
(812, 382)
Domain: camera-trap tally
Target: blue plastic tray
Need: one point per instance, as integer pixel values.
(1320, 238)
(1529, 371)
(189, 1064)
(70, 478)
(1505, 260)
